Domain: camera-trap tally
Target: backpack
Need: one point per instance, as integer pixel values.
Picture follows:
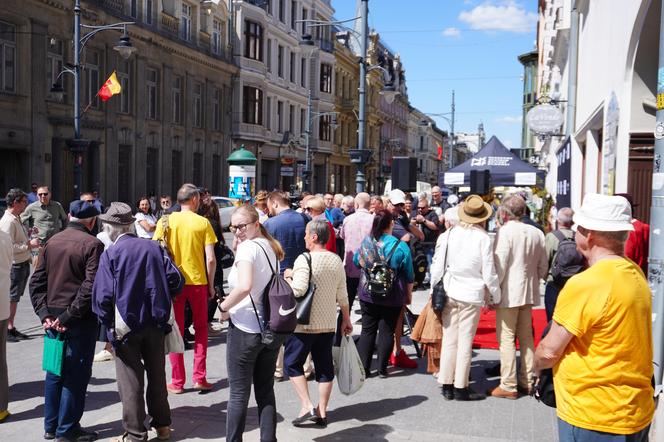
(380, 276)
(279, 302)
(567, 261)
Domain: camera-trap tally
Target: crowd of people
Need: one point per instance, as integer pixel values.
(138, 277)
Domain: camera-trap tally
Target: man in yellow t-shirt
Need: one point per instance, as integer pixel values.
(191, 240)
(600, 342)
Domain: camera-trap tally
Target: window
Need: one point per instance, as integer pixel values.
(269, 55)
(291, 119)
(325, 128)
(216, 168)
(216, 109)
(421, 143)
(280, 61)
(326, 78)
(253, 40)
(91, 79)
(151, 166)
(176, 98)
(198, 104)
(280, 116)
(268, 113)
(133, 8)
(152, 88)
(216, 36)
(303, 127)
(54, 61)
(252, 105)
(293, 14)
(185, 22)
(282, 11)
(303, 71)
(292, 67)
(268, 5)
(176, 166)
(148, 11)
(305, 13)
(124, 74)
(124, 172)
(198, 166)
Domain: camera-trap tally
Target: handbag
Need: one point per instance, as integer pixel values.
(224, 254)
(438, 294)
(173, 342)
(54, 350)
(174, 276)
(303, 310)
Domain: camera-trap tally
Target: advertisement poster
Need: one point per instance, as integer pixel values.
(242, 181)
(611, 119)
(564, 184)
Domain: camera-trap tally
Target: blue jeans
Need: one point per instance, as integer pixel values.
(64, 396)
(570, 433)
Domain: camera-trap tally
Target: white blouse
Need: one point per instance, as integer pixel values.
(140, 231)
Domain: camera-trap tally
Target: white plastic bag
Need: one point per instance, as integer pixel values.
(173, 342)
(350, 371)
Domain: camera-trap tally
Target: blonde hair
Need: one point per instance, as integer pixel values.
(250, 212)
(317, 203)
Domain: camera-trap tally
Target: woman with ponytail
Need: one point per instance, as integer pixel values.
(248, 359)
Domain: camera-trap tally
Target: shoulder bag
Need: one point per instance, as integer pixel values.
(303, 311)
(438, 294)
(174, 276)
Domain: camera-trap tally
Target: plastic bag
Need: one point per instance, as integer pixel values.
(54, 349)
(350, 371)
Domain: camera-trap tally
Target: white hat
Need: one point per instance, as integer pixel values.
(604, 213)
(397, 197)
(452, 200)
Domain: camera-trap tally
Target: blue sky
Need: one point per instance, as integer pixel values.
(466, 45)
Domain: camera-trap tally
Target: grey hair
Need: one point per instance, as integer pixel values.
(565, 216)
(348, 199)
(81, 220)
(320, 228)
(115, 230)
(187, 192)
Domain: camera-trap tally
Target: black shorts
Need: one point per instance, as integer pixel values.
(299, 345)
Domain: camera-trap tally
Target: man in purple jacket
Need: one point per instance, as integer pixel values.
(132, 278)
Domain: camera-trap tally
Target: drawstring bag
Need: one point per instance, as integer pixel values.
(54, 350)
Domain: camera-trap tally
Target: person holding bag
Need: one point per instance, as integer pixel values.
(316, 278)
(463, 260)
(249, 359)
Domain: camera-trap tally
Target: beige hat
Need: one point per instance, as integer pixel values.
(474, 210)
(604, 213)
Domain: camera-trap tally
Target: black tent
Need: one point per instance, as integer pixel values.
(505, 168)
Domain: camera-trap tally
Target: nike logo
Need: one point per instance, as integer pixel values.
(283, 312)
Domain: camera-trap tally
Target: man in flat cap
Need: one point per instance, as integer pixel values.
(61, 292)
(132, 279)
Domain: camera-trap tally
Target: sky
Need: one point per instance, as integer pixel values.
(467, 46)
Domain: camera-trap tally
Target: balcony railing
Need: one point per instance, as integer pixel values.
(169, 23)
(113, 6)
(204, 40)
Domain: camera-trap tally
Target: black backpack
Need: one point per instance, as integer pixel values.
(379, 277)
(567, 261)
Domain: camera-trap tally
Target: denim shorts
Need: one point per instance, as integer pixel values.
(19, 279)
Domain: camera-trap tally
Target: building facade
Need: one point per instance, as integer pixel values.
(429, 144)
(530, 97)
(170, 124)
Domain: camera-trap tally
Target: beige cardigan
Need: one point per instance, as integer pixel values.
(330, 278)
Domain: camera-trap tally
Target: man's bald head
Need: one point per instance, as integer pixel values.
(362, 200)
(565, 216)
(515, 207)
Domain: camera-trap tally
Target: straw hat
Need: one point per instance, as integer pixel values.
(474, 210)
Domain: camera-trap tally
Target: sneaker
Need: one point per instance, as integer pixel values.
(17, 334)
(103, 356)
(212, 330)
(12, 338)
(392, 360)
(49, 435)
(503, 394)
(172, 389)
(3, 415)
(203, 386)
(402, 360)
(163, 433)
(466, 394)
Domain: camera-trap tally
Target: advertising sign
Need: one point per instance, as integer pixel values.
(563, 183)
(611, 119)
(242, 181)
(544, 119)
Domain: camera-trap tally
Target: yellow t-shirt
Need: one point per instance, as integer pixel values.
(188, 234)
(602, 381)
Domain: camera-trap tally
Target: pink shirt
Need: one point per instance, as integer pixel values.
(353, 230)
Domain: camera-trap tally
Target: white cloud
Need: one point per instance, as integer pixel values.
(508, 144)
(506, 15)
(451, 32)
(508, 119)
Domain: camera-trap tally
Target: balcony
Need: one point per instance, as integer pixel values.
(169, 23)
(204, 40)
(113, 6)
(325, 45)
(251, 131)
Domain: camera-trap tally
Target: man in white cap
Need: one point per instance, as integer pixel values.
(600, 342)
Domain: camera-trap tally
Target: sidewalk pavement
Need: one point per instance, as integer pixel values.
(407, 406)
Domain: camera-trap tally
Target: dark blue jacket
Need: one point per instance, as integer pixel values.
(335, 216)
(132, 276)
(288, 228)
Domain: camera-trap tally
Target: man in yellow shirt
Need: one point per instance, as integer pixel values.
(600, 342)
(191, 240)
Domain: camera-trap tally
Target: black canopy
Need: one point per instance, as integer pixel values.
(506, 169)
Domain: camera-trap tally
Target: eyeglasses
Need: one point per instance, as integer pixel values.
(239, 227)
(43, 194)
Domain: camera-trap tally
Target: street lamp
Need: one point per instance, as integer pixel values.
(77, 145)
(389, 92)
(308, 46)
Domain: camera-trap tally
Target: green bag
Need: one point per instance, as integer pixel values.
(54, 350)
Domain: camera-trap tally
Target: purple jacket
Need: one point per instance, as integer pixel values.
(132, 276)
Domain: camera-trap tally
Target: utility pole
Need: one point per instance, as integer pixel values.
(573, 60)
(451, 163)
(361, 136)
(656, 255)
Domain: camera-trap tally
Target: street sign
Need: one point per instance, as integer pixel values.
(544, 119)
(287, 171)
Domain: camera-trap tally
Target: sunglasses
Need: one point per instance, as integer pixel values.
(43, 194)
(308, 209)
(239, 227)
(421, 208)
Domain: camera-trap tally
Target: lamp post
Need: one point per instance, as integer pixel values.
(77, 145)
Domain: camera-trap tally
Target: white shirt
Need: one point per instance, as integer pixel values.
(470, 269)
(242, 314)
(140, 231)
(5, 269)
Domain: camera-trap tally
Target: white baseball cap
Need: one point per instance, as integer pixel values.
(604, 213)
(397, 197)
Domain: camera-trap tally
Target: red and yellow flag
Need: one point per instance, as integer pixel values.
(110, 88)
(440, 152)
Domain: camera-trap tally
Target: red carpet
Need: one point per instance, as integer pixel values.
(486, 329)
